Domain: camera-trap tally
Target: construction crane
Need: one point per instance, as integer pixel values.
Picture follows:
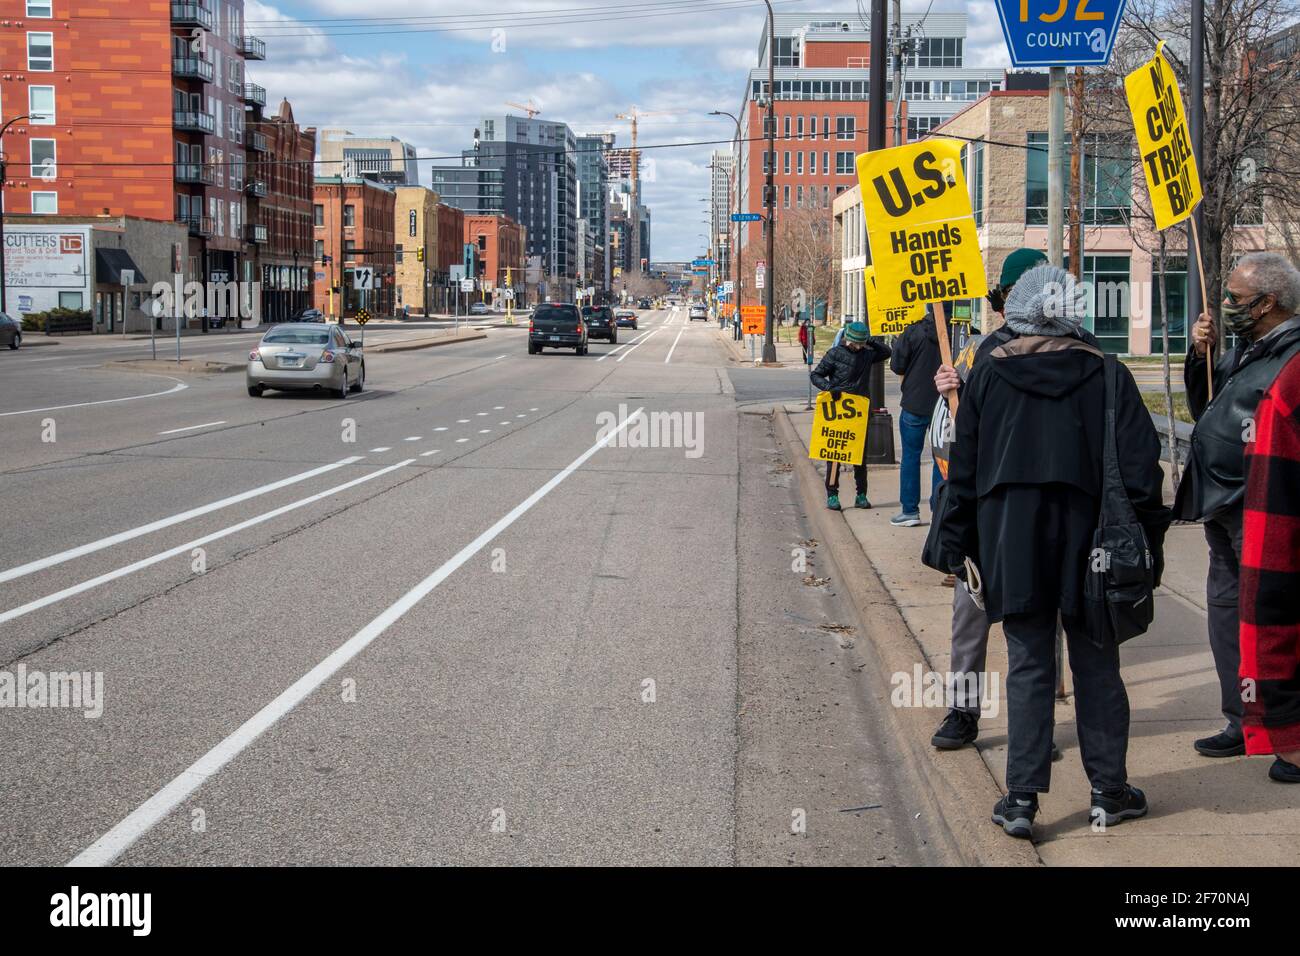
(635, 114)
(532, 109)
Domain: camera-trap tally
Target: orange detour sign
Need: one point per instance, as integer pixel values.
(753, 319)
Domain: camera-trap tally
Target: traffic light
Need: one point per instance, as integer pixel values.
(419, 254)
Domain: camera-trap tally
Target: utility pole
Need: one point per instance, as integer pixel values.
(1077, 198)
(1055, 177)
(769, 192)
(880, 430)
(896, 8)
(1196, 128)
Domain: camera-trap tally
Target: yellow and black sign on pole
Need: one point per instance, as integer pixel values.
(839, 432)
(1168, 163)
(920, 229)
(362, 317)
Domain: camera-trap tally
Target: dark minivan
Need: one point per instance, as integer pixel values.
(557, 326)
(600, 323)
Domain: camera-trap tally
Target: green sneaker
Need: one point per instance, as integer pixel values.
(833, 502)
(861, 502)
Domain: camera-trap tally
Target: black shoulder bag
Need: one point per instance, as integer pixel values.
(1120, 581)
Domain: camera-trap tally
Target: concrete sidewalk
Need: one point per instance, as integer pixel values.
(1203, 811)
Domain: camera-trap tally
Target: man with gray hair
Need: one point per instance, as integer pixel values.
(1260, 302)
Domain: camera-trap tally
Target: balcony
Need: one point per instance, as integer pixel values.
(254, 48)
(198, 174)
(192, 67)
(191, 15)
(258, 141)
(254, 95)
(257, 188)
(194, 121)
(256, 232)
(198, 225)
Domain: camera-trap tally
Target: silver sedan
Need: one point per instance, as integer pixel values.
(307, 355)
(11, 332)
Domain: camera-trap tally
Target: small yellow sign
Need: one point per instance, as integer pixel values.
(1166, 150)
(362, 317)
(839, 430)
(922, 235)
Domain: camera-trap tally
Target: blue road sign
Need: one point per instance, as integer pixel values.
(745, 217)
(703, 263)
(1060, 32)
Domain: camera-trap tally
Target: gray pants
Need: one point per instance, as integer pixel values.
(1223, 534)
(970, 645)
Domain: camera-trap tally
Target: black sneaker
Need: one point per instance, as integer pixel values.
(1226, 743)
(958, 729)
(1112, 808)
(1284, 772)
(1056, 752)
(1015, 814)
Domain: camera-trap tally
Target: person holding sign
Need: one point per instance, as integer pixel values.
(1260, 302)
(916, 358)
(847, 368)
(1024, 496)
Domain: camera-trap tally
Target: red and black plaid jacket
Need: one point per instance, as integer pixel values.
(1270, 571)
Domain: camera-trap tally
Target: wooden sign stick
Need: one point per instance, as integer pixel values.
(1205, 302)
(945, 350)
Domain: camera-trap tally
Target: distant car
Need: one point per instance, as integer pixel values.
(479, 308)
(698, 311)
(600, 323)
(625, 318)
(308, 315)
(556, 325)
(312, 356)
(643, 304)
(11, 331)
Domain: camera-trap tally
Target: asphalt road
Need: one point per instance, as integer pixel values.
(443, 621)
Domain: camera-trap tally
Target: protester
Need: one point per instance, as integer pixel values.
(805, 339)
(847, 368)
(1260, 301)
(916, 358)
(1024, 500)
(970, 625)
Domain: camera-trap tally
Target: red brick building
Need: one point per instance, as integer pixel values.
(136, 108)
(451, 245)
(499, 242)
(281, 185)
(353, 227)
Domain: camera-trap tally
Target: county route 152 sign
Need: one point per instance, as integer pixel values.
(1060, 32)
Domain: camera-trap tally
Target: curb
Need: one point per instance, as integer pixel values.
(27, 344)
(960, 787)
(412, 345)
(172, 367)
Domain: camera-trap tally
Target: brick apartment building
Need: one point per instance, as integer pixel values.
(282, 185)
(416, 246)
(499, 242)
(137, 109)
(451, 246)
(353, 226)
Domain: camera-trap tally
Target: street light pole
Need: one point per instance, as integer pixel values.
(3, 173)
(769, 193)
(736, 252)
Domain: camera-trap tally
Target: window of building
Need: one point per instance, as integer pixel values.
(787, 127)
(40, 105)
(799, 197)
(1110, 308)
(45, 204)
(785, 52)
(1176, 290)
(349, 248)
(798, 164)
(39, 8)
(319, 251)
(44, 159)
(1107, 179)
(318, 215)
(826, 163)
(799, 127)
(826, 127)
(787, 162)
(785, 196)
(826, 196)
(349, 215)
(812, 162)
(845, 127)
(844, 163)
(918, 126)
(936, 51)
(40, 52)
(71, 300)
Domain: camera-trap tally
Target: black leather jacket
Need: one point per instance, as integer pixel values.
(840, 371)
(1215, 477)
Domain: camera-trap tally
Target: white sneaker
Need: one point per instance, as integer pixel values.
(905, 520)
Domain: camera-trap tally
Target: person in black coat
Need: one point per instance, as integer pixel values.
(847, 368)
(916, 358)
(1024, 499)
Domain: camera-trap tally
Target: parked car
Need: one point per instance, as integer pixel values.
(311, 356)
(557, 326)
(698, 311)
(11, 331)
(308, 315)
(625, 318)
(600, 323)
(479, 308)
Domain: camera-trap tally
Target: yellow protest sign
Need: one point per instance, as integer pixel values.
(924, 246)
(839, 430)
(1166, 150)
(887, 321)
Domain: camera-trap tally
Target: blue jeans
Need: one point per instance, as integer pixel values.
(912, 428)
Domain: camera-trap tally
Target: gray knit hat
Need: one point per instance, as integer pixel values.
(1046, 301)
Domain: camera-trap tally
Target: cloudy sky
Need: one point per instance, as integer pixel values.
(428, 71)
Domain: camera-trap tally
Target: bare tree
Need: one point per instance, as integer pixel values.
(806, 257)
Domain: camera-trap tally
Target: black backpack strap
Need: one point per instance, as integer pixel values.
(1116, 508)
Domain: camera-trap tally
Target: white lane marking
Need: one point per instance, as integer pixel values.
(190, 428)
(426, 454)
(498, 408)
(499, 357)
(481, 414)
(375, 451)
(462, 421)
(521, 415)
(617, 350)
(669, 357)
(635, 347)
(413, 438)
(146, 816)
(178, 387)
(484, 431)
(461, 440)
(503, 423)
(104, 578)
(441, 428)
(102, 543)
(532, 409)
